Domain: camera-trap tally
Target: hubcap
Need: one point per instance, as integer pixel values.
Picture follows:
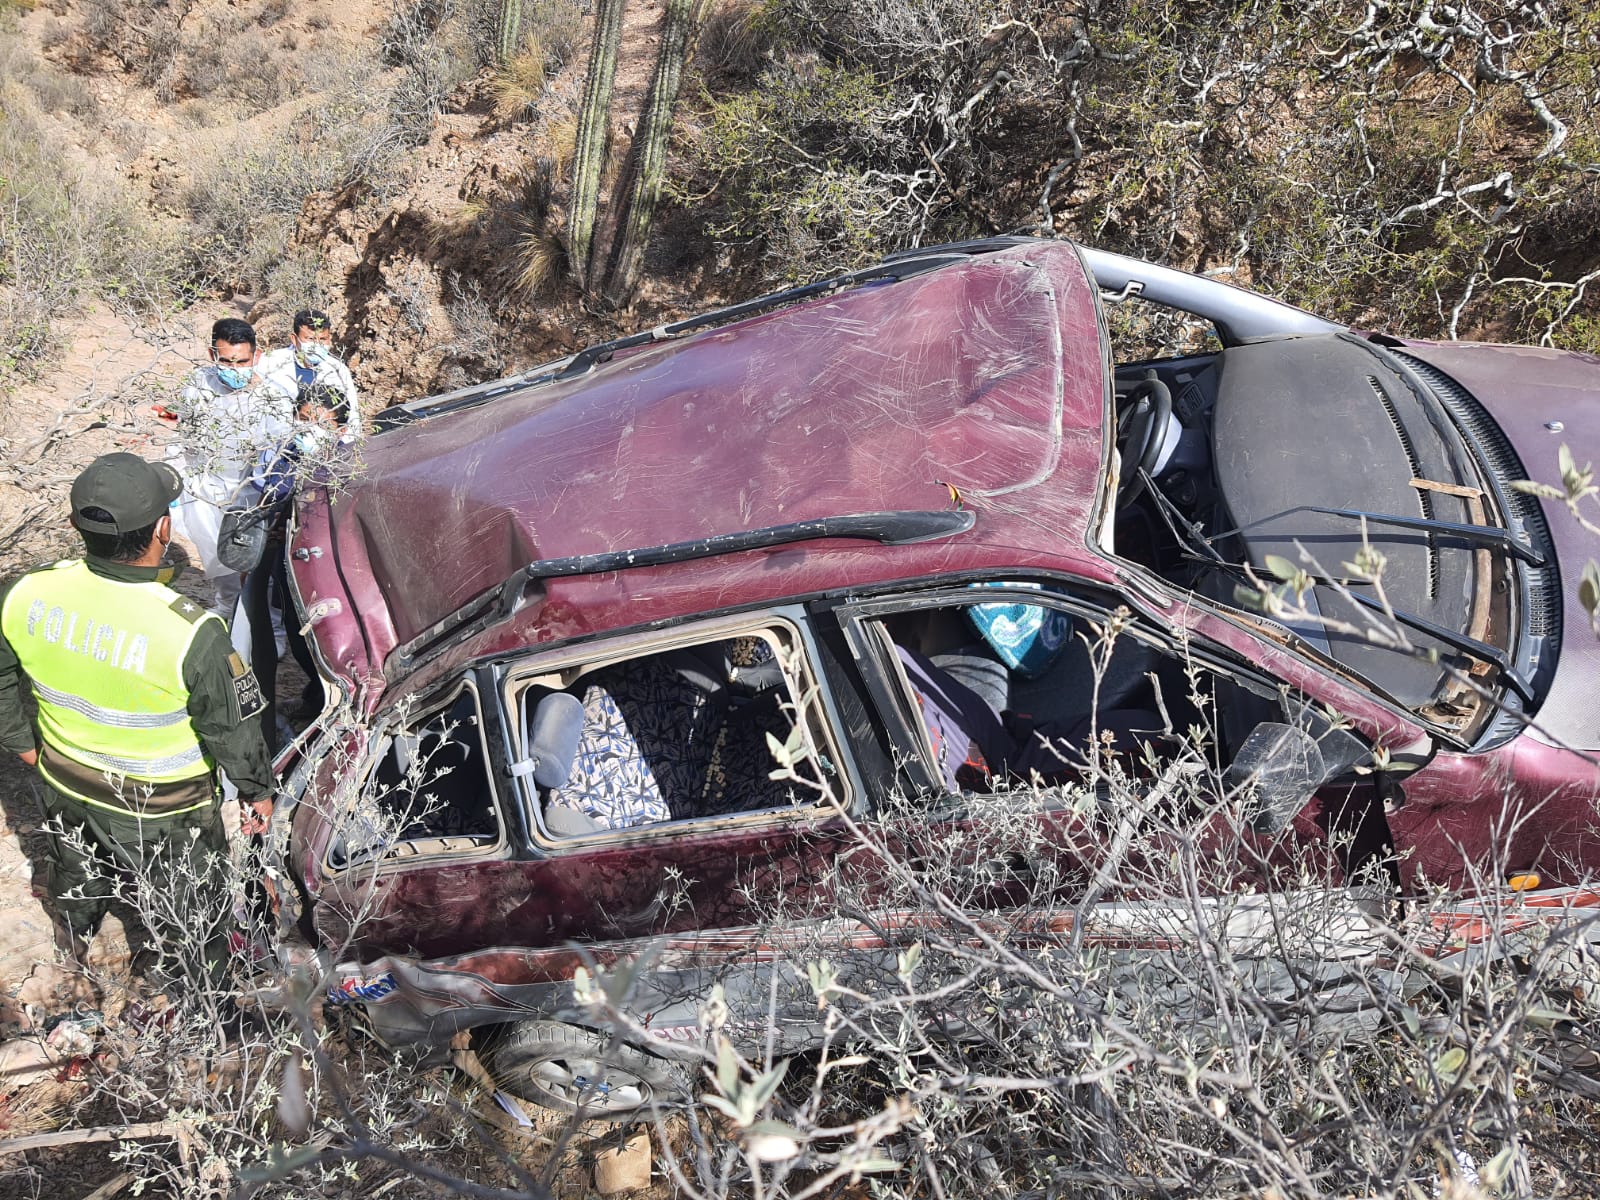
(586, 1083)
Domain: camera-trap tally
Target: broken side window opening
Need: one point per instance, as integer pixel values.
(993, 698)
(685, 733)
(990, 689)
(428, 791)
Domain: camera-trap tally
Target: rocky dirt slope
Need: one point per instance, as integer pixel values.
(425, 267)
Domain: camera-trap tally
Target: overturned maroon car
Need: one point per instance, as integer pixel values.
(616, 648)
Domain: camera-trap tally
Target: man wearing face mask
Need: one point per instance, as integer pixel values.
(141, 699)
(229, 414)
(308, 361)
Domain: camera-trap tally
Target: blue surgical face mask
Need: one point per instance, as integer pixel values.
(234, 377)
(314, 352)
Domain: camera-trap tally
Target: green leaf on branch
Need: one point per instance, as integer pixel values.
(870, 1166)
(1450, 1064)
(727, 1067)
(763, 1088)
(1589, 593)
(1248, 597)
(1498, 1169)
(1281, 567)
(281, 1163)
(910, 959)
(1530, 487)
(780, 751)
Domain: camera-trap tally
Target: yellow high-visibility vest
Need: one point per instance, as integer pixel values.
(106, 661)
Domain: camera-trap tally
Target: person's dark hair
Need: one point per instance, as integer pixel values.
(309, 318)
(324, 395)
(116, 547)
(232, 331)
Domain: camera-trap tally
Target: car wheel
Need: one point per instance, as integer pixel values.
(569, 1068)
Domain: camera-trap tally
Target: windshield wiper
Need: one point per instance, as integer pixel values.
(1466, 644)
(1483, 535)
(1190, 535)
(1493, 655)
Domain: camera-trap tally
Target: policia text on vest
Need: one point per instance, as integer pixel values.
(57, 624)
(140, 697)
(106, 656)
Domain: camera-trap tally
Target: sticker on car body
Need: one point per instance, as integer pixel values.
(359, 989)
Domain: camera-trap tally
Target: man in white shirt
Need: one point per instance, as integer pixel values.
(229, 413)
(308, 360)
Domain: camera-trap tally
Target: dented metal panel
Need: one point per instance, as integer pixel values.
(873, 400)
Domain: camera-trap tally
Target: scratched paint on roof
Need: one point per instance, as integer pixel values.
(985, 375)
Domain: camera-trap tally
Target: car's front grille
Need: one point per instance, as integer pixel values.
(1542, 618)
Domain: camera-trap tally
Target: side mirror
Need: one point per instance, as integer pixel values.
(1276, 771)
(554, 729)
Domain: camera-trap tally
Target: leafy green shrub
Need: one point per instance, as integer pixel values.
(556, 27)
(802, 161)
(735, 43)
(144, 37)
(244, 206)
(294, 281)
(57, 91)
(245, 64)
(433, 44)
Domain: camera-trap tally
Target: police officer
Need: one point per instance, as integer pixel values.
(140, 697)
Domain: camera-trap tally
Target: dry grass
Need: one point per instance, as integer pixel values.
(562, 136)
(734, 43)
(537, 259)
(446, 233)
(517, 86)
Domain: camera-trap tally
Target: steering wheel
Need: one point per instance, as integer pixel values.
(1141, 422)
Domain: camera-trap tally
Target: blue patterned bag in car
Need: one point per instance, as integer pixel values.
(1027, 637)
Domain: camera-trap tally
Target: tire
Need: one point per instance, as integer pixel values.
(572, 1069)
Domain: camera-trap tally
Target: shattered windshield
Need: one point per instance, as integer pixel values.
(1313, 478)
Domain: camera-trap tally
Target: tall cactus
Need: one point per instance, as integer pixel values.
(508, 31)
(590, 150)
(678, 24)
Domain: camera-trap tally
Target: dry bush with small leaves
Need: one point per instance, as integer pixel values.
(1435, 173)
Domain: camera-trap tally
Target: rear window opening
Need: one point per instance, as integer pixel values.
(428, 792)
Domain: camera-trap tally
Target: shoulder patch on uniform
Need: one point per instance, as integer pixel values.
(246, 688)
(191, 611)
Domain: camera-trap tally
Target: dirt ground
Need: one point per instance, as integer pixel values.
(95, 400)
(110, 369)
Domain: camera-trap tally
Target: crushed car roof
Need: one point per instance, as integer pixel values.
(985, 375)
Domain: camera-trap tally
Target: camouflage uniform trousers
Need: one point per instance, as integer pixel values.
(172, 869)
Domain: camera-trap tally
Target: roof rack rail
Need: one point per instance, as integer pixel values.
(499, 603)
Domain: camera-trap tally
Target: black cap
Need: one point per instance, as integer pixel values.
(134, 492)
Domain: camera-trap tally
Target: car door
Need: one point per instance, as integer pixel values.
(694, 819)
(1097, 743)
(699, 809)
(408, 831)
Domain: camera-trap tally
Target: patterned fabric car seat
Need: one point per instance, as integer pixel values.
(611, 782)
(635, 750)
(658, 746)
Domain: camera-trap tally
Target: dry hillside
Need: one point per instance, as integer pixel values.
(1430, 169)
